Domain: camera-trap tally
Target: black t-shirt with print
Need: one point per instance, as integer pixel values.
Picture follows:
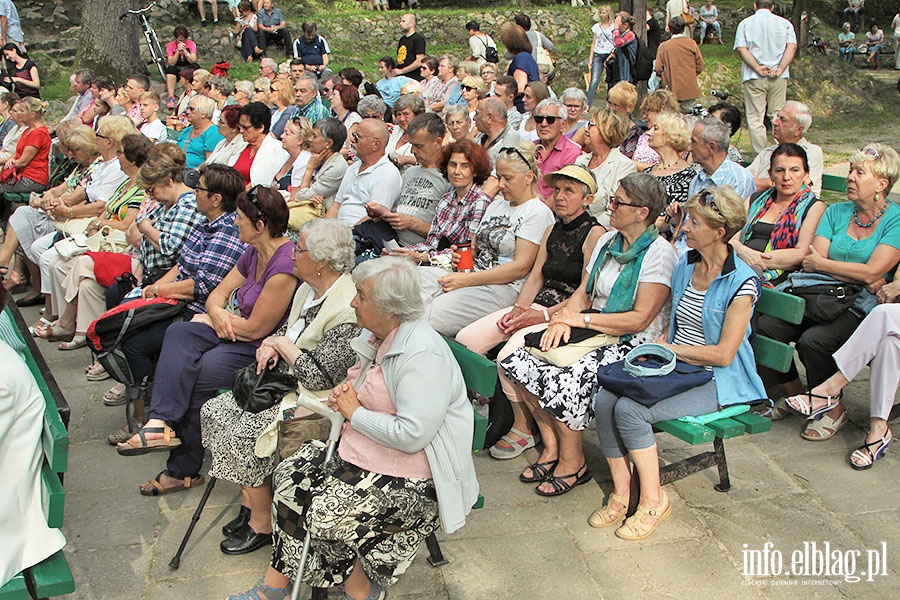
(408, 48)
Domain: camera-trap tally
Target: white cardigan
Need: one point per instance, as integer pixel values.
(268, 160)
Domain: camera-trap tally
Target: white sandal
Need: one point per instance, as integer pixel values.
(824, 428)
(514, 448)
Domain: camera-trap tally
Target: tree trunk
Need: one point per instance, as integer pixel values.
(799, 7)
(640, 18)
(109, 46)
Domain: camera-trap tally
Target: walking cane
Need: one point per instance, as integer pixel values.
(176, 560)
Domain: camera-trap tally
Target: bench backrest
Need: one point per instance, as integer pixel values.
(787, 307)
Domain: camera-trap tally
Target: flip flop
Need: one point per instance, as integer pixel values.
(145, 446)
(539, 471)
(160, 490)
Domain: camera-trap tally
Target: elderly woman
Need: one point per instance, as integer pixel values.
(603, 134)
(857, 243)
(200, 357)
(846, 44)
(459, 125)
(314, 347)
(626, 284)
(576, 104)
(473, 89)
(199, 139)
(32, 157)
(782, 221)
(554, 150)
(221, 91)
(504, 249)
(488, 74)
(556, 274)
(232, 142)
(399, 150)
(282, 95)
(262, 87)
(622, 98)
(535, 93)
(670, 138)
(243, 92)
(523, 68)
(656, 103)
(408, 452)
(713, 293)
(261, 158)
(325, 169)
(295, 142)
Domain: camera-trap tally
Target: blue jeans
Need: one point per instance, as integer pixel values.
(596, 75)
(715, 26)
(846, 54)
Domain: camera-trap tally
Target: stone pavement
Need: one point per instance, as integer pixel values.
(785, 491)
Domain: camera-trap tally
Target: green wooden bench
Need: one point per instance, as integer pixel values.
(51, 577)
(834, 183)
(769, 353)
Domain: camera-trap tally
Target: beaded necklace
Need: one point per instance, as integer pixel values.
(872, 222)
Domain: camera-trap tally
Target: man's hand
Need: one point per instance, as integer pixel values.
(400, 222)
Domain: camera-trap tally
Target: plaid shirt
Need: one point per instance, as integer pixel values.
(315, 110)
(174, 225)
(454, 220)
(211, 250)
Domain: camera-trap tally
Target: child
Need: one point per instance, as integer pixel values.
(153, 128)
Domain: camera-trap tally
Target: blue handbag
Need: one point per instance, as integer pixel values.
(651, 373)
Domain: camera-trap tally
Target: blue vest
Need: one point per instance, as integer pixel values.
(737, 383)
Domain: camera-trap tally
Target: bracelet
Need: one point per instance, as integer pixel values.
(71, 212)
(546, 316)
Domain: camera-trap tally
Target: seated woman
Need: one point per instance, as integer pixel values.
(535, 93)
(656, 103)
(399, 149)
(857, 243)
(232, 143)
(260, 159)
(504, 249)
(555, 275)
(201, 137)
(874, 46)
(200, 357)
(314, 347)
(713, 293)
(576, 105)
(846, 44)
(282, 96)
(245, 31)
(32, 158)
(181, 53)
(670, 138)
(782, 221)
(397, 449)
(322, 176)
(459, 124)
(295, 142)
(627, 285)
(603, 134)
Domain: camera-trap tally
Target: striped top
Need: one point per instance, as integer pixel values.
(689, 314)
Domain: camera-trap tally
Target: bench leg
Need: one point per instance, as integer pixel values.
(319, 593)
(634, 495)
(724, 484)
(435, 556)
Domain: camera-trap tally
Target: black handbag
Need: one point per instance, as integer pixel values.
(256, 393)
(651, 373)
(826, 302)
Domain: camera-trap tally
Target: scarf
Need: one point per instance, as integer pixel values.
(621, 297)
(787, 228)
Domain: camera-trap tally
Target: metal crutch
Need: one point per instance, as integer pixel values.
(337, 420)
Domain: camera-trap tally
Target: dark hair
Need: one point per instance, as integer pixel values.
(509, 83)
(244, 5)
(261, 203)
(430, 62)
(731, 115)
(225, 181)
(187, 73)
(473, 26)
(430, 122)
(349, 96)
(136, 147)
(259, 114)
(475, 154)
(788, 149)
(181, 31)
(105, 84)
(333, 130)
(523, 21)
(297, 61)
(352, 75)
(12, 46)
(388, 61)
(677, 25)
(231, 114)
(515, 39)
(142, 80)
(309, 27)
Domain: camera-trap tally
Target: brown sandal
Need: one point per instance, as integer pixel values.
(160, 490)
(144, 446)
(606, 516)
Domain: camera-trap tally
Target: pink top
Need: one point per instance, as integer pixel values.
(357, 449)
(563, 153)
(172, 47)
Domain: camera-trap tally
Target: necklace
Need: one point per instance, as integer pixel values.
(870, 223)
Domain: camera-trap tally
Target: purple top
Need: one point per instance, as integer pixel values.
(248, 293)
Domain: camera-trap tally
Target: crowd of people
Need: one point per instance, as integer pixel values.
(328, 230)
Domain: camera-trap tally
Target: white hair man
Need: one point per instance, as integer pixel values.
(789, 126)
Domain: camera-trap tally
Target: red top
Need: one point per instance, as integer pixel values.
(38, 170)
(243, 164)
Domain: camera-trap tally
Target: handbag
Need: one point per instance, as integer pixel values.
(688, 17)
(581, 342)
(71, 246)
(8, 175)
(302, 211)
(73, 226)
(824, 303)
(293, 431)
(650, 373)
(256, 393)
(108, 239)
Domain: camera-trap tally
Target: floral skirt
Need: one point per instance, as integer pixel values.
(351, 513)
(567, 393)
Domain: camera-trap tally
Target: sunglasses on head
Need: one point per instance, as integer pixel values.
(517, 152)
(539, 119)
(870, 152)
(709, 199)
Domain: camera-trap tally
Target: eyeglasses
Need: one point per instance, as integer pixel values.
(297, 251)
(467, 88)
(201, 189)
(242, 127)
(709, 199)
(102, 136)
(517, 152)
(190, 108)
(258, 91)
(574, 106)
(614, 106)
(539, 119)
(614, 204)
(356, 137)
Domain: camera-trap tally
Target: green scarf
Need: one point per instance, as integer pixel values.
(621, 297)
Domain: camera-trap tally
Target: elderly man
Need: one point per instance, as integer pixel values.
(309, 105)
(447, 74)
(766, 44)
(495, 133)
(678, 62)
(791, 122)
(374, 179)
(410, 48)
(270, 26)
(313, 50)
(554, 150)
(505, 90)
(268, 68)
(81, 86)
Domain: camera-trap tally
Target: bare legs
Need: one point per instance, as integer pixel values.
(259, 500)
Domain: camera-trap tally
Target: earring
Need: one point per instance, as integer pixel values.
(319, 273)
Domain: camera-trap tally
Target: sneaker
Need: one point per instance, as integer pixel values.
(170, 103)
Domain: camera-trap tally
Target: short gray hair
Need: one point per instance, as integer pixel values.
(396, 289)
(645, 189)
(331, 241)
(410, 102)
(802, 114)
(371, 103)
(453, 109)
(245, 86)
(222, 84)
(716, 132)
(313, 82)
(574, 94)
(551, 103)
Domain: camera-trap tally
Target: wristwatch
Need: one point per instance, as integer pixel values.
(587, 321)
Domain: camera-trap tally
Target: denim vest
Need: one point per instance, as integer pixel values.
(737, 383)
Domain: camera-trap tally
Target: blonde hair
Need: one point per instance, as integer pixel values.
(201, 77)
(204, 105)
(263, 83)
(676, 129)
(660, 101)
(623, 93)
(731, 213)
(116, 127)
(303, 128)
(78, 137)
(283, 90)
(886, 165)
(612, 126)
(473, 81)
(523, 157)
(34, 105)
(413, 88)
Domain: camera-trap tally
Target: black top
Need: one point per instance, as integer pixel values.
(408, 48)
(565, 259)
(760, 234)
(25, 73)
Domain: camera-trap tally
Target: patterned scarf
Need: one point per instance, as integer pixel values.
(787, 228)
(621, 297)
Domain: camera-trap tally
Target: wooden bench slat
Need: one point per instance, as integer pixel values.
(753, 423)
(479, 372)
(481, 427)
(834, 183)
(773, 354)
(52, 577)
(786, 307)
(687, 432)
(53, 497)
(727, 428)
(14, 589)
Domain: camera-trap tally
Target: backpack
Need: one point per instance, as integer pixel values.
(642, 66)
(490, 52)
(544, 59)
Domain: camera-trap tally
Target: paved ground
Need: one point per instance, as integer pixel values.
(786, 492)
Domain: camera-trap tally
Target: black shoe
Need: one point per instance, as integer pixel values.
(27, 302)
(229, 528)
(245, 540)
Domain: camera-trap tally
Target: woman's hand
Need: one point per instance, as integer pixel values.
(316, 160)
(813, 261)
(265, 354)
(889, 293)
(568, 317)
(504, 321)
(221, 322)
(343, 399)
(454, 281)
(556, 333)
(454, 256)
(9, 163)
(519, 318)
(755, 260)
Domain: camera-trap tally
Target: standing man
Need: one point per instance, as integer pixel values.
(766, 44)
(789, 127)
(10, 26)
(479, 42)
(410, 48)
(270, 26)
(678, 62)
(313, 50)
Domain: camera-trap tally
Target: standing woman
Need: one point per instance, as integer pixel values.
(32, 157)
(523, 68)
(626, 45)
(25, 76)
(895, 25)
(602, 46)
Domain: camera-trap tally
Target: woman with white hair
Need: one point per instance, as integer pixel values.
(399, 448)
(202, 136)
(576, 103)
(459, 124)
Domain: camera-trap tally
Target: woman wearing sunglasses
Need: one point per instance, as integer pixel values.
(473, 89)
(713, 293)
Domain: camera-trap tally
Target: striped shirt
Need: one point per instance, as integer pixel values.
(689, 314)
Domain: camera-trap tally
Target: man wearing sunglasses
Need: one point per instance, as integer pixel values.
(554, 149)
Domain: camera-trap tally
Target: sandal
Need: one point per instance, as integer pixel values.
(606, 516)
(863, 458)
(95, 372)
(560, 486)
(40, 326)
(540, 471)
(506, 448)
(824, 428)
(635, 529)
(144, 446)
(77, 341)
(121, 435)
(183, 484)
(48, 333)
(117, 395)
(260, 591)
(772, 410)
(802, 404)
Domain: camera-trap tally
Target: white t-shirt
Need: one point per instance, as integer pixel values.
(156, 131)
(105, 178)
(657, 267)
(604, 43)
(298, 169)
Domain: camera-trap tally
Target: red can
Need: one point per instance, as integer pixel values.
(465, 263)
